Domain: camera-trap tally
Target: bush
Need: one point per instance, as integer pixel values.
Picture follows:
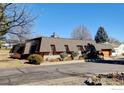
(63, 55)
(122, 54)
(35, 59)
(74, 54)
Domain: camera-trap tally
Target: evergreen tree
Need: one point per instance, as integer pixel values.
(101, 36)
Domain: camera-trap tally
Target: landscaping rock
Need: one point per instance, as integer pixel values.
(89, 82)
(106, 79)
(68, 58)
(55, 60)
(81, 58)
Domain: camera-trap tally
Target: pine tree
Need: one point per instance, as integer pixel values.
(101, 36)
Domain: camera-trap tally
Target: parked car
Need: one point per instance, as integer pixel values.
(114, 53)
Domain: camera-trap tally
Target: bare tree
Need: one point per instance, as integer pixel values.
(81, 33)
(22, 34)
(15, 19)
(114, 40)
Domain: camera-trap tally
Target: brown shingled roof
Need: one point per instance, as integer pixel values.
(103, 46)
(60, 43)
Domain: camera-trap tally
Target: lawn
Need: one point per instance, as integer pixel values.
(6, 62)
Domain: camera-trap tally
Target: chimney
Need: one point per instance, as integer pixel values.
(53, 35)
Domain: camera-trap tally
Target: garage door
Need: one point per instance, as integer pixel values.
(106, 53)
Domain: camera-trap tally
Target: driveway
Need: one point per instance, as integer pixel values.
(56, 74)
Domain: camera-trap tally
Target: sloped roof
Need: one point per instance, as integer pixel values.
(103, 46)
(60, 43)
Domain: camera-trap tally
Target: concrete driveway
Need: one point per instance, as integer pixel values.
(43, 74)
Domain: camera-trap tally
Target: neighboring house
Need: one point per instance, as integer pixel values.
(118, 51)
(6, 46)
(105, 48)
(55, 46)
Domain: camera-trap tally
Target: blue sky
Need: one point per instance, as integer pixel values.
(64, 18)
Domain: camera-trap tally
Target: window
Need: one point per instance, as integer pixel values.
(20, 50)
(53, 49)
(80, 47)
(13, 48)
(66, 48)
(35, 46)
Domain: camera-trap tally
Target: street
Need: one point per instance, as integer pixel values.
(55, 74)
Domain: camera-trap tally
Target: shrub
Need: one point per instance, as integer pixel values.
(122, 54)
(35, 59)
(63, 55)
(74, 54)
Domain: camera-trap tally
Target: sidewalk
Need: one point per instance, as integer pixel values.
(62, 62)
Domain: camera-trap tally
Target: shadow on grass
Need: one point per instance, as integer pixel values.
(118, 61)
(4, 60)
(30, 63)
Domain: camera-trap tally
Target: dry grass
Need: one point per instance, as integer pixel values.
(6, 62)
(12, 64)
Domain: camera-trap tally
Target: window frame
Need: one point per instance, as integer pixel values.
(67, 48)
(53, 48)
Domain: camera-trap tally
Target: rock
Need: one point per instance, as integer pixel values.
(110, 76)
(103, 81)
(53, 59)
(69, 58)
(111, 82)
(94, 78)
(89, 83)
(122, 73)
(99, 84)
(81, 58)
(90, 80)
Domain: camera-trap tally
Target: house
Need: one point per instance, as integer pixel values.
(6, 46)
(104, 48)
(118, 51)
(17, 51)
(55, 46)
